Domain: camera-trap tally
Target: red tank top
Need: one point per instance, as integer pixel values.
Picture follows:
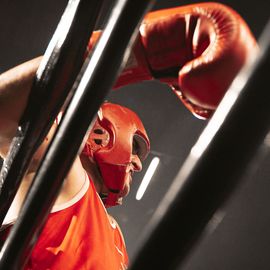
(80, 237)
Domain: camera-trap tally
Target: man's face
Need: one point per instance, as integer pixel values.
(135, 165)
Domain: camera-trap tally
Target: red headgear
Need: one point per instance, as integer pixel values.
(111, 144)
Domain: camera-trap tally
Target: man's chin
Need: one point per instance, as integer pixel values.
(119, 201)
(104, 197)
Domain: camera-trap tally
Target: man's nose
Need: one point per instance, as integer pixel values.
(136, 162)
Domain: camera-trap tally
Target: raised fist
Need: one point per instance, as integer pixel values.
(196, 49)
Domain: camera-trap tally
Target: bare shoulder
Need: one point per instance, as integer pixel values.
(73, 184)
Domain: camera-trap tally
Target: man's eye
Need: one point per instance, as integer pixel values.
(135, 147)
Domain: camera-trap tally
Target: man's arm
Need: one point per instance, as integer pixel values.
(15, 85)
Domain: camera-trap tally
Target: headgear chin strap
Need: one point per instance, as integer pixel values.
(111, 143)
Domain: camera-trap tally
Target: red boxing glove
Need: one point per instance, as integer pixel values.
(196, 49)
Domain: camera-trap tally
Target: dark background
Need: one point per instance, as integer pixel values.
(242, 238)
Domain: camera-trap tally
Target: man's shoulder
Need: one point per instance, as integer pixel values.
(113, 221)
